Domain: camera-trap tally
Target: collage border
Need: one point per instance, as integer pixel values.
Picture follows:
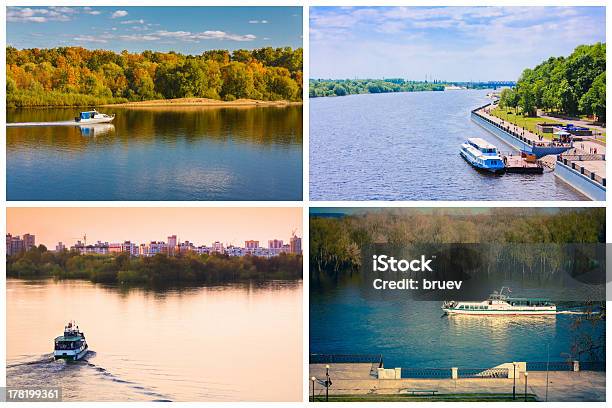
(305, 204)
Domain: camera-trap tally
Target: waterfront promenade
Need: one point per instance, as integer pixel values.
(584, 165)
(357, 379)
(595, 147)
(511, 127)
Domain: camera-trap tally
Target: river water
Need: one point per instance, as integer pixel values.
(225, 343)
(413, 334)
(169, 153)
(405, 146)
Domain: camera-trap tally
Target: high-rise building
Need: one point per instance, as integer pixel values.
(29, 241)
(99, 248)
(153, 248)
(275, 243)
(295, 244)
(14, 245)
(126, 246)
(171, 244)
(275, 246)
(60, 247)
(251, 244)
(218, 247)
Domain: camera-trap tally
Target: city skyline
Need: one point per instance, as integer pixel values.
(143, 225)
(445, 43)
(189, 30)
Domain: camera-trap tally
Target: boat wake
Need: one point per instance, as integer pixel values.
(44, 359)
(32, 124)
(95, 379)
(577, 312)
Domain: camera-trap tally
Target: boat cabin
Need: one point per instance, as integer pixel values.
(483, 146)
(88, 114)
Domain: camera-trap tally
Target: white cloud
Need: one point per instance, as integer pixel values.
(205, 35)
(138, 37)
(258, 21)
(39, 15)
(90, 11)
(445, 41)
(140, 21)
(89, 39)
(119, 14)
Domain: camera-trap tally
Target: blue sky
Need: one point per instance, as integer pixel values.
(189, 30)
(448, 43)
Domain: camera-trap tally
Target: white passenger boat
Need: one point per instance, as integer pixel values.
(93, 116)
(501, 304)
(482, 155)
(72, 345)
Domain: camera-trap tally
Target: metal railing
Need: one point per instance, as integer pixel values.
(573, 163)
(511, 132)
(592, 365)
(566, 366)
(347, 359)
(426, 373)
(550, 366)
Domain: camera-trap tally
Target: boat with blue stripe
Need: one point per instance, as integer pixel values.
(482, 155)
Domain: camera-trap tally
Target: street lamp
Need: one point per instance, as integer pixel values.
(526, 386)
(313, 379)
(327, 382)
(514, 382)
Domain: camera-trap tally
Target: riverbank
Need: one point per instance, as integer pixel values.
(355, 382)
(157, 270)
(530, 123)
(203, 102)
(457, 397)
(581, 164)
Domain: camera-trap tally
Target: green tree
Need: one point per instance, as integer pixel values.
(594, 101)
(237, 80)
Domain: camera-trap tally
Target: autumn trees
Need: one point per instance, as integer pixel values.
(77, 76)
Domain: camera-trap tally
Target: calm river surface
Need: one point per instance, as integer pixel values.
(175, 153)
(405, 146)
(411, 333)
(226, 343)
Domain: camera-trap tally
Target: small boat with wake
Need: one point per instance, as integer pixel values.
(72, 346)
(482, 155)
(499, 303)
(92, 117)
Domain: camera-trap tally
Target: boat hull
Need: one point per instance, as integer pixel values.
(494, 170)
(70, 355)
(493, 312)
(95, 120)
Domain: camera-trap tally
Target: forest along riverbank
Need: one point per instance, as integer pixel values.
(203, 102)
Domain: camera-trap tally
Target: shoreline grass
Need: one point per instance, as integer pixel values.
(528, 122)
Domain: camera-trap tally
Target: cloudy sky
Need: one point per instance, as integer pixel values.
(449, 43)
(198, 225)
(183, 29)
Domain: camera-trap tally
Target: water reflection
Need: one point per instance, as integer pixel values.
(179, 153)
(96, 130)
(221, 343)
